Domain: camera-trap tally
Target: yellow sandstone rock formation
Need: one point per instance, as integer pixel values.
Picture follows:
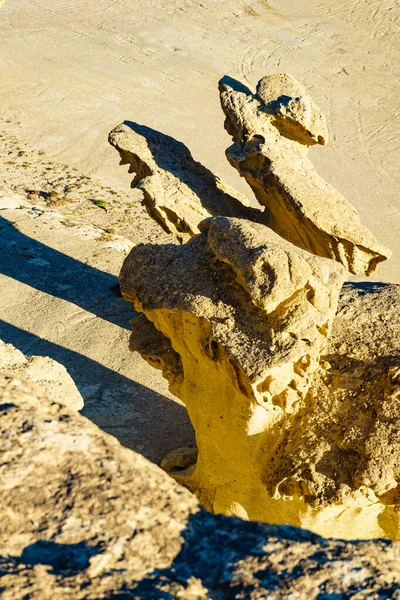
(240, 318)
(291, 426)
(272, 131)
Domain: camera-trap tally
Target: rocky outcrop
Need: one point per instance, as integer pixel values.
(272, 130)
(84, 518)
(291, 427)
(239, 320)
(178, 192)
(45, 371)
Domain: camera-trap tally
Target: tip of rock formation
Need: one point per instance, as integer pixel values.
(270, 129)
(297, 116)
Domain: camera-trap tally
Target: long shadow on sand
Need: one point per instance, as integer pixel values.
(137, 416)
(43, 268)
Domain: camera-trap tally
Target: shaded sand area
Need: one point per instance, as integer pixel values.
(73, 69)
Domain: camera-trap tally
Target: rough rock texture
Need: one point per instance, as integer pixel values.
(178, 191)
(294, 112)
(240, 317)
(84, 518)
(272, 130)
(237, 322)
(50, 374)
(343, 451)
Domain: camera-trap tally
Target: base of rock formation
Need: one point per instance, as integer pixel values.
(88, 519)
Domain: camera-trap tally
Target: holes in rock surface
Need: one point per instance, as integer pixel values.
(310, 293)
(257, 139)
(265, 385)
(324, 329)
(211, 349)
(302, 365)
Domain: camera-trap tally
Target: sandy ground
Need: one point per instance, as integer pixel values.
(71, 70)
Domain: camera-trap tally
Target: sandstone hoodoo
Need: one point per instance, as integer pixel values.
(293, 424)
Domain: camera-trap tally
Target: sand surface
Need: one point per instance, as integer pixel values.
(73, 69)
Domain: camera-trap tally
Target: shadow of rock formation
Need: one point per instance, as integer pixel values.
(137, 416)
(52, 272)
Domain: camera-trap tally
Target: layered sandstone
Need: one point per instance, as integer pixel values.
(272, 131)
(84, 518)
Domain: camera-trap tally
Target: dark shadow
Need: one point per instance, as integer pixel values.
(137, 416)
(236, 85)
(366, 287)
(7, 406)
(215, 545)
(173, 156)
(66, 559)
(43, 268)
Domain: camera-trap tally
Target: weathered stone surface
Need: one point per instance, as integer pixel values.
(343, 451)
(246, 315)
(296, 114)
(84, 518)
(271, 131)
(178, 191)
(50, 374)
(284, 433)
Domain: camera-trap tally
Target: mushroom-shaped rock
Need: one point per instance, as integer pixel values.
(293, 425)
(271, 131)
(247, 313)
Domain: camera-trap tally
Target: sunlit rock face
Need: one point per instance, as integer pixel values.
(240, 317)
(296, 422)
(272, 131)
